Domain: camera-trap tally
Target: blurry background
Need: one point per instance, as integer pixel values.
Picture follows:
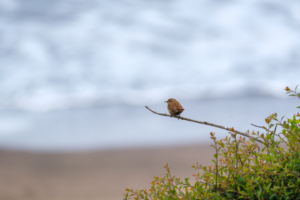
(75, 76)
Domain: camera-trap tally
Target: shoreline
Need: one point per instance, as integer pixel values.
(93, 175)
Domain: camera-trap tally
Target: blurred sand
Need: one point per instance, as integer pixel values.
(98, 175)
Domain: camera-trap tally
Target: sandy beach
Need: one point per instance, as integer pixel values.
(97, 175)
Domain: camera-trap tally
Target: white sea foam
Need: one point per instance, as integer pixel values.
(64, 55)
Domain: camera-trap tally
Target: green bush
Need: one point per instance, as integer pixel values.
(243, 168)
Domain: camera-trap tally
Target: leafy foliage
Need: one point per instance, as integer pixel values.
(243, 169)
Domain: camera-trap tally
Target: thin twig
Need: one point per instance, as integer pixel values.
(257, 126)
(265, 129)
(207, 123)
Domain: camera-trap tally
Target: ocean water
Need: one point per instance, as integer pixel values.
(123, 126)
(66, 65)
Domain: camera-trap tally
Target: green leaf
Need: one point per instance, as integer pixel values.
(292, 95)
(259, 192)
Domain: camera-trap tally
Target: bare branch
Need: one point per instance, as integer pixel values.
(257, 126)
(265, 129)
(207, 123)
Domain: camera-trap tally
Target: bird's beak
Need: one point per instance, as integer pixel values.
(166, 101)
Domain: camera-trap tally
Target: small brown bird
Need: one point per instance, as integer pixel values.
(174, 107)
